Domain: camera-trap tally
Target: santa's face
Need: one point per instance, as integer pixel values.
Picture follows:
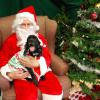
(26, 24)
(25, 29)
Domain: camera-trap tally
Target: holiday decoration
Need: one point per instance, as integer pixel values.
(97, 5)
(79, 95)
(94, 16)
(83, 51)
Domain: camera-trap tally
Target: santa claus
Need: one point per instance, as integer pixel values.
(25, 24)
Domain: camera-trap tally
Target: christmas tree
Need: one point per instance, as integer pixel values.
(80, 47)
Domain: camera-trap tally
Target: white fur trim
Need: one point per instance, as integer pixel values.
(44, 45)
(41, 43)
(43, 65)
(4, 70)
(37, 28)
(26, 15)
(52, 97)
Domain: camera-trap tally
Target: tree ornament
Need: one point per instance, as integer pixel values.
(94, 16)
(98, 59)
(83, 6)
(65, 46)
(97, 5)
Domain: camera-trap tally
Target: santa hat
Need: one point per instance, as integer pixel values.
(28, 12)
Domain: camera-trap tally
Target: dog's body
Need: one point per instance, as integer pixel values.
(32, 41)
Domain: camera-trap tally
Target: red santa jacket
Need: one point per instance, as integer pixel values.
(10, 48)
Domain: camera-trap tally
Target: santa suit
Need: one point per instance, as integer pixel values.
(25, 90)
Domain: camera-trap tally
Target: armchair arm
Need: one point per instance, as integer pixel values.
(58, 66)
(51, 27)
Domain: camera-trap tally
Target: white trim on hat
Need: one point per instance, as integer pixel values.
(25, 14)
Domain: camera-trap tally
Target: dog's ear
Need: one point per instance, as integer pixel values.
(26, 48)
(27, 44)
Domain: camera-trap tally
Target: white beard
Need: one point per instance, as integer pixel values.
(22, 35)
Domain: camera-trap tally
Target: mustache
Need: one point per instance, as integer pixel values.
(22, 35)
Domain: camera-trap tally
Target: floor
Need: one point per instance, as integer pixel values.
(0, 98)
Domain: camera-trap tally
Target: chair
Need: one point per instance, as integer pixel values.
(48, 29)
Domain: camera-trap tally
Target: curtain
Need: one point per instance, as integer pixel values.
(43, 7)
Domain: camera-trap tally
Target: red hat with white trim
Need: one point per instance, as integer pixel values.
(28, 12)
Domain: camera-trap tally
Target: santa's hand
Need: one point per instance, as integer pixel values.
(29, 61)
(17, 75)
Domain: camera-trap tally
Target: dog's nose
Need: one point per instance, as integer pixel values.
(30, 45)
(32, 48)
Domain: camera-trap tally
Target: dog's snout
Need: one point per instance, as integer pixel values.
(30, 44)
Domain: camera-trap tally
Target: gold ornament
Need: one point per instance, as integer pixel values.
(76, 87)
(98, 81)
(97, 5)
(89, 85)
(97, 59)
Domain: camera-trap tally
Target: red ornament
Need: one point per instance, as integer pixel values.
(94, 16)
(96, 88)
(79, 95)
(87, 97)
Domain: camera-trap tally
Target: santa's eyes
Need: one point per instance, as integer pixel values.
(26, 25)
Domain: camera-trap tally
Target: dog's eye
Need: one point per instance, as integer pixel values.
(30, 44)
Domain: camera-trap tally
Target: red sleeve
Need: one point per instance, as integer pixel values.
(45, 52)
(8, 49)
(46, 55)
